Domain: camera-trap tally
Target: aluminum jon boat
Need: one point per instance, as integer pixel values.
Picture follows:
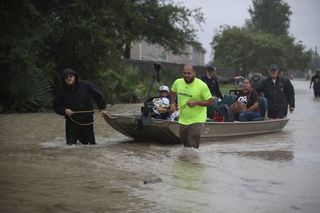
(167, 132)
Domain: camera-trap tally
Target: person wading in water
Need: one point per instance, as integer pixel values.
(193, 98)
(315, 80)
(75, 96)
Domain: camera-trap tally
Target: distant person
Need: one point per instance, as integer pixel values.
(281, 73)
(247, 104)
(212, 81)
(75, 95)
(193, 98)
(279, 92)
(255, 79)
(315, 80)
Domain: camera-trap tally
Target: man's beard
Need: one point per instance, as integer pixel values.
(70, 84)
(189, 80)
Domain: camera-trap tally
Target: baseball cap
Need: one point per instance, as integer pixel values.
(164, 88)
(210, 68)
(273, 67)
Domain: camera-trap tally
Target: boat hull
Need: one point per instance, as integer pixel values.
(165, 131)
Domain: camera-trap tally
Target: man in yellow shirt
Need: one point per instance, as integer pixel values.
(193, 98)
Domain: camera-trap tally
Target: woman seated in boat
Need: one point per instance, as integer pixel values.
(161, 105)
(247, 106)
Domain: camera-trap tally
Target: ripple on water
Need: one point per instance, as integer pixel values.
(60, 143)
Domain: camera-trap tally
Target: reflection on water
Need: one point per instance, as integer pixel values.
(277, 172)
(276, 155)
(188, 171)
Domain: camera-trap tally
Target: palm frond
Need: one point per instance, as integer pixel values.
(27, 92)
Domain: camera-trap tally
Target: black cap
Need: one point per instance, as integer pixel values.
(273, 67)
(211, 69)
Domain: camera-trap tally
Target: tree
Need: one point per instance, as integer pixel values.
(248, 51)
(270, 16)
(245, 51)
(104, 30)
(24, 81)
(41, 38)
(314, 63)
(82, 36)
(263, 41)
(155, 21)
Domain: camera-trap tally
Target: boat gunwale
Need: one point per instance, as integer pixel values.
(172, 127)
(211, 122)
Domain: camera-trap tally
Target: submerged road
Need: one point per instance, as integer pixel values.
(277, 172)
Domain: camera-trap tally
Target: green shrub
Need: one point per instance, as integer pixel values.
(109, 83)
(24, 92)
(130, 85)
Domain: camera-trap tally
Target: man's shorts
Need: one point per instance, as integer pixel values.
(190, 134)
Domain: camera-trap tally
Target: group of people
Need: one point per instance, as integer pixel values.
(194, 95)
(189, 95)
(278, 91)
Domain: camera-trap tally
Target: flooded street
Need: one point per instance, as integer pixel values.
(277, 172)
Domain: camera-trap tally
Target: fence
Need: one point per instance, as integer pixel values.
(145, 67)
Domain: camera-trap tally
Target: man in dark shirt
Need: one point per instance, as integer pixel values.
(211, 80)
(279, 92)
(75, 95)
(315, 80)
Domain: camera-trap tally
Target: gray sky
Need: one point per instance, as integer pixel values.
(304, 22)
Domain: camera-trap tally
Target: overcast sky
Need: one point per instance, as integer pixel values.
(304, 22)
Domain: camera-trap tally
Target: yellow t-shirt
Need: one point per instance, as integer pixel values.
(196, 91)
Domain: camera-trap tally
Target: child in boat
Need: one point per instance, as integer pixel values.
(161, 105)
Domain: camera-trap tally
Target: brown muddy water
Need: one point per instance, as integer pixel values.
(277, 172)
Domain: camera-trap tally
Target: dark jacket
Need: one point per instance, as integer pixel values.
(213, 85)
(78, 98)
(278, 94)
(316, 81)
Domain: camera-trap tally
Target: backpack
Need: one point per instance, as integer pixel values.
(223, 114)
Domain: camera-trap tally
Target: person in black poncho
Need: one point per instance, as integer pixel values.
(75, 95)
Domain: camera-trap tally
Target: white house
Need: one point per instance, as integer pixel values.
(153, 52)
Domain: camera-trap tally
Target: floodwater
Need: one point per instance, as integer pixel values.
(277, 172)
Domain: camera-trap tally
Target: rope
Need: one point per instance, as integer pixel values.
(94, 110)
(110, 116)
(88, 111)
